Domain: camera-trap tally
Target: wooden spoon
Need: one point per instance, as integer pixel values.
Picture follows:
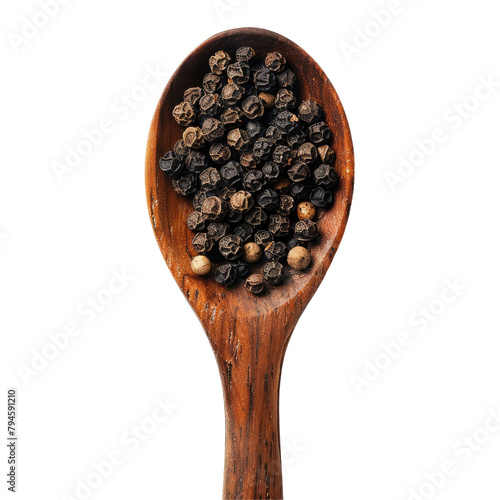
(248, 334)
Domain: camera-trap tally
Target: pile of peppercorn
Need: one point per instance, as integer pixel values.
(258, 165)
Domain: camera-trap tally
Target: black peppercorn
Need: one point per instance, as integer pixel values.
(170, 164)
(255, 283)
(210, 179)
(292, 243)
(218, 62)
(275, 134)
(254, 130)
(286, 79)
(320, 197)
(299, 191)
(185, 185)
(210, 104)
(212, 129)
(233, 216)
(252, 107)
(262, 148)
(181, 150)
(211, 83)
(256, 216)
(219, 153)
(244, 231)
(326, 154)
(232, 173)
(193, 95)
(184, 114)
(307, 153)
(325, 176)
(231, 94)
(268, 199)
(271, 171)
(245, 54)
(202, 243)
(264, 79)
(217, 230)
(253, 181)
(285, 99)
(319, 133)
(225, 274)
(263, 237)
(231, 117)
(242, 201)
(196, 162)
(239, 72)
(299, 172)
(296, 139)
(193, 138)
(282, 154)
(248, 160)
(241, 268)
(257, 66)
(273, 273)
(305, 230)
(238, 139)
(231, 246)
(310, 111)
(214, 208)
(286, 205)
(276, 250)
(275, 61)
(196, 221)
(279, 225)
(287, 121)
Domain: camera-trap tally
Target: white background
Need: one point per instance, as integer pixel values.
(62, 239)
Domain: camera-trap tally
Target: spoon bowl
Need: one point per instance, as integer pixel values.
(248, 333)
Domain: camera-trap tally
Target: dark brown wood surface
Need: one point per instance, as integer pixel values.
(248, 333)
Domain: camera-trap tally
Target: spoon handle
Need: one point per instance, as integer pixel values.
(250, 372)
(252, 468)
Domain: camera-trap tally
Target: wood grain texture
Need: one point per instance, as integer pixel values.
(248, 333)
